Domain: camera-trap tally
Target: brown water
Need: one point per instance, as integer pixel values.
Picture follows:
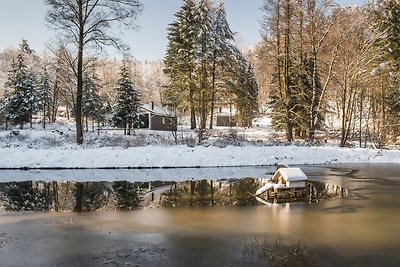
(362, 229)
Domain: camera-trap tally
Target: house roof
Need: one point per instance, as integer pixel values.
(290, 174)
(157, 110)
(225, 114)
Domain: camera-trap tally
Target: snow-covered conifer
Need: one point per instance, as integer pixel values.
(128, 101)
(93, 106)
(180, 60)
(20, 103)
(44, 95)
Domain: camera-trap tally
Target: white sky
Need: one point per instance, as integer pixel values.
(24, 19)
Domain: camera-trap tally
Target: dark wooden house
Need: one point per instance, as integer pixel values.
(157, 118)
(230, 118)
(225, 119)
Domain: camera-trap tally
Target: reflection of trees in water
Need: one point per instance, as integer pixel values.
(94, 196)
(124, 195)
(69, 196)
(127, 195)
(26, 196)
(329, 191)
(209, 192)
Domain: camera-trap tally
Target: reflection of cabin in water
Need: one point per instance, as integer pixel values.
(157, 118)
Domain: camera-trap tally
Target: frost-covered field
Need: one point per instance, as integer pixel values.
(55, 147)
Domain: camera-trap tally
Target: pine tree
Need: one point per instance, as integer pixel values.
(93, 107)
(44, 95)
(387, 14)
(222, 59)
(180, 61)
(245, 90)
(202, 61)
(128, 101)
(19, 104)
(204, 43)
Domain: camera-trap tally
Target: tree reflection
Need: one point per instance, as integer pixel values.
(124, 195)
(26, 196)
(208, 193)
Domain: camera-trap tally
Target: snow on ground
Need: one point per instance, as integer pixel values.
(184, 156)
(55, 148)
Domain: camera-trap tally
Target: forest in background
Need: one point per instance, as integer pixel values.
(319, 67)
(325, 67)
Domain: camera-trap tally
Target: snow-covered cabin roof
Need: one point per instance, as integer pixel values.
(222, 111)
(157, 110)
(290, 174)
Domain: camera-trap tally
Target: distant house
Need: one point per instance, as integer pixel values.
(226, 117)
(157, 118)
(230, 118)
(62, 111)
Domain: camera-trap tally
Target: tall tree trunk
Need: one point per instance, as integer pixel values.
(288, 93)
(78, 197)
(44, 116)
(79, 87)
(55, 196)
(361, 116)
(191, 102)
(203, 86)
(314, 99)
(213, 90)
(314, 81)
(344, 111)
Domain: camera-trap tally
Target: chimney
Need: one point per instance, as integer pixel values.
(152, 105)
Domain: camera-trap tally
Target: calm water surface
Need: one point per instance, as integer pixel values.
(362, 229)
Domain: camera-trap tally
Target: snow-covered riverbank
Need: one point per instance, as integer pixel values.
(184, 156)
(227, 147)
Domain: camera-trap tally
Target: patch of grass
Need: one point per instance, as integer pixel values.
(278, 253)
(4, 239)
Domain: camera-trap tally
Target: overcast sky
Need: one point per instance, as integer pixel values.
(24, 19)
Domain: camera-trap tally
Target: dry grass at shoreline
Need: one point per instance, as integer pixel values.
(277, 252)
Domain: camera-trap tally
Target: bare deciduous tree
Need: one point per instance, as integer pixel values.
(89, 23)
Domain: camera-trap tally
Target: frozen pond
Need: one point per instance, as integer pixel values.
(359, 229)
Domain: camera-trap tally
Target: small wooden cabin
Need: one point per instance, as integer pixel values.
(290, 177)
(157, 118)
(230, 118)
(225, 119)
